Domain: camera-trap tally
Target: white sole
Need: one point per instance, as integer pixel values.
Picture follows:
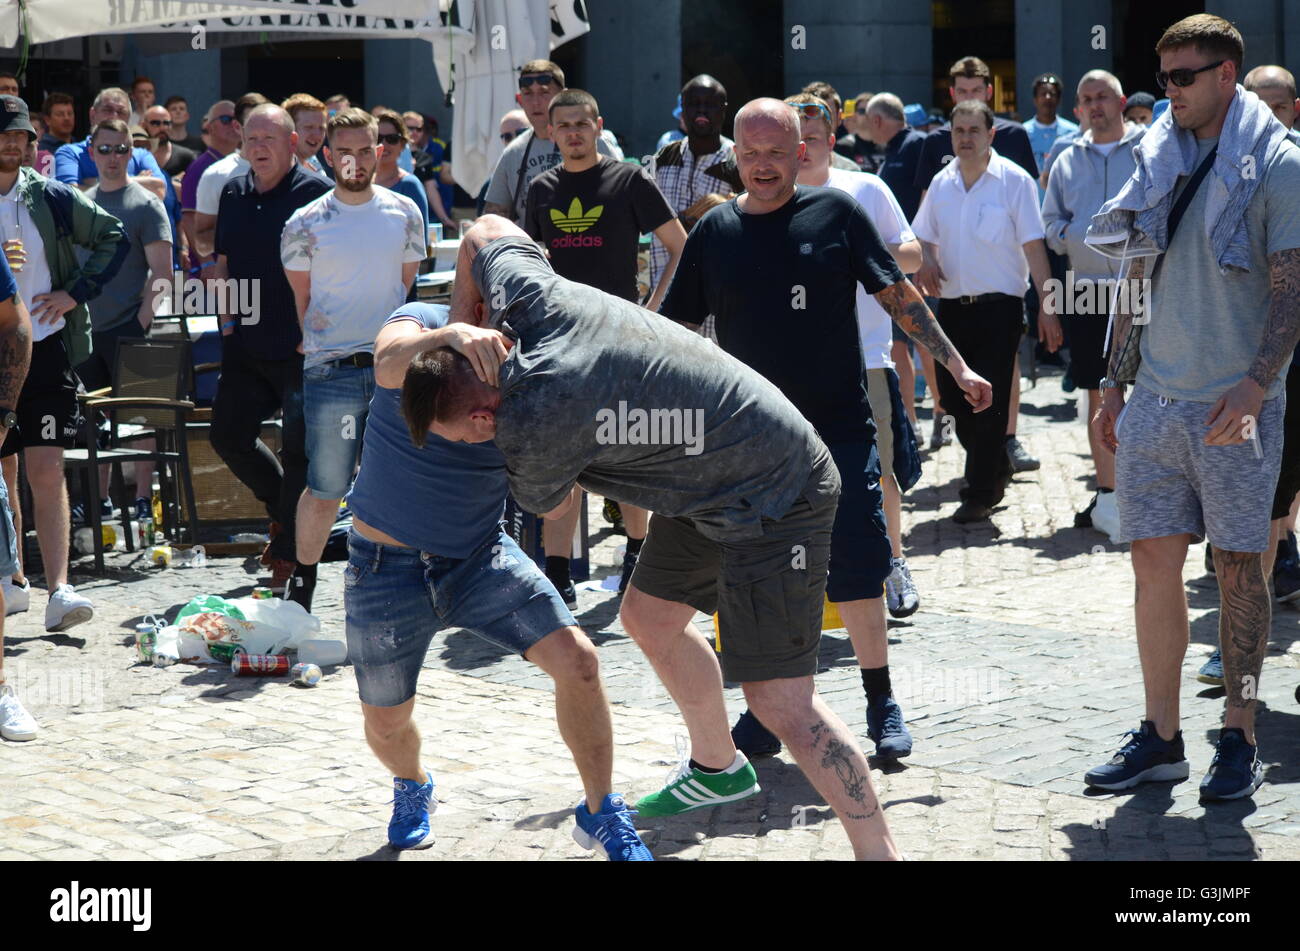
(721, 800)
(1164, 773)
(17, 737)
(72, 619)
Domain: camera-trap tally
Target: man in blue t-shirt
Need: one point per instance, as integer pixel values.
(432, 555)
(1045, 127)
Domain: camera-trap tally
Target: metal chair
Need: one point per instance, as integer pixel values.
(151, 380)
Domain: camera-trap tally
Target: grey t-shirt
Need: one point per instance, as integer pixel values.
(638, 409)
(144, 219)
(542, 157)
(1206, 324)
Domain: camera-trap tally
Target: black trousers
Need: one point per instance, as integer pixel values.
(249, 391)
(987, 335)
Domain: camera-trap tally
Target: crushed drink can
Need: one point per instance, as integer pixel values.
(259, 665)
(146, 639)
(308, 675)
(164, 660)
(224, 651)
(263, 594)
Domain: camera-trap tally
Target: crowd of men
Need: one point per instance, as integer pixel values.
(798, 280)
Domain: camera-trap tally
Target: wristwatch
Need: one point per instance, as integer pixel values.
(8, 418)
(1107, 384)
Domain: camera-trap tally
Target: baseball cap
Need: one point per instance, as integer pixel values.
(1141, 99)
(14, 116)
(915, 115)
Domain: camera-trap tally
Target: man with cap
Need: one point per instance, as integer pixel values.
(1139, 108)
(55, 288)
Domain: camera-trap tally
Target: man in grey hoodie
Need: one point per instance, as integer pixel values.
(1088, 172)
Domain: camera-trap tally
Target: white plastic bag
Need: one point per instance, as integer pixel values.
(288, 617)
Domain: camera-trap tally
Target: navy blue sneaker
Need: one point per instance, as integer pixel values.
(1144, 758)
(412, 806)
(611, 827)
(752, 738)
(1212, 670)
(1235, 772)
(886, 729)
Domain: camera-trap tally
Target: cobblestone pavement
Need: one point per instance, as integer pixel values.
(1019, 673)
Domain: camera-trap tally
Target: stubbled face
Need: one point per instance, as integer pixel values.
(156, 122)
(574, 131)
(13, 146)
(536, 98)
(1099, 107)
(767, 157)
(111, 107)
(225, 135)
(1196, 105)
(354, 153)
(61, 119)
(1282, 104)
(971, 138)
(967, 88)
(111, 167)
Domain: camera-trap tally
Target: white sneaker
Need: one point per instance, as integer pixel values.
(1105, 516)
(67, 609)
(17, 600)
(15, 723)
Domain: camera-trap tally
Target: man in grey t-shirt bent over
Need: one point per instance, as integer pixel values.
(599, 392)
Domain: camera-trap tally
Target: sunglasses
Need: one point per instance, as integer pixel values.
(811, 110)
(415, 129)
(165, 123)
(508, 137)
(113, 149)
(391, 138)
(546, 80)
(1183, 77)
(224, 120)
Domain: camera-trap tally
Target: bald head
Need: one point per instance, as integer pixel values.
(766, 117)
(269, 143)
(269, 114)
(1276, 87)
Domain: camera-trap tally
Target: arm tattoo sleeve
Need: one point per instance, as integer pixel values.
(15, 355)
(904, 304)
(1283, 327)
(1124, 316)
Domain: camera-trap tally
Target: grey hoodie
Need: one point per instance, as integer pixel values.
(1081, 180)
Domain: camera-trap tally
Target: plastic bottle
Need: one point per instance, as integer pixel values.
(155, 502)
(322, 652)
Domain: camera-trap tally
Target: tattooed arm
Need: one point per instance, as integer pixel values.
(1112, 400)
(903, 303)
(15, 352)
(1229, 421)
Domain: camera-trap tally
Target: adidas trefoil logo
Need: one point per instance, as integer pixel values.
(576, 220)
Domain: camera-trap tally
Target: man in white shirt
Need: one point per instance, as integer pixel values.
(979, 226)
(875, 334)
(350, 257)
(208, 196)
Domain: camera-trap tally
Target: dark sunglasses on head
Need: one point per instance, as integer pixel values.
(544, 80)
(391, 138)
(1183, 77)
(111, 149)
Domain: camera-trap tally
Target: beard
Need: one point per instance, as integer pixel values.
(359, 184)
(10, 163)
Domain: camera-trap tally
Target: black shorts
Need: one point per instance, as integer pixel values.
(1288, 479)
(861, 555)
(48, 412)
(96, 371)
(1085, 335)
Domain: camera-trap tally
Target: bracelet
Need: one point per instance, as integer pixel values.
(207, 264)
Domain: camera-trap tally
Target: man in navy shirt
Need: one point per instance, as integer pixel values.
(427, 551)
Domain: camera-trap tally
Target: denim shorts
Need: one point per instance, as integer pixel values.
(861, 553)
(8, 538)
(396, 599)
(336, 400)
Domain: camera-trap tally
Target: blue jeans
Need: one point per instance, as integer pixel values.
(8, 538)
(396, 599)
(336, 400)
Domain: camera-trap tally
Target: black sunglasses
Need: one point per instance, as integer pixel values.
(110, 149)
(546, 80)
(509, 136)
(391, 138)
(1183, 77)
(165, 123)
(224, 120)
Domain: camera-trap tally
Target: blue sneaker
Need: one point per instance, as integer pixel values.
(412, 806)
(1212, 670)
(1144, 758)
(885, 728)
(611, 827)
(1236, 771)
(752, 738)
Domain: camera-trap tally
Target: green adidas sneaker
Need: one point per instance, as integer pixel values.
(694, 789)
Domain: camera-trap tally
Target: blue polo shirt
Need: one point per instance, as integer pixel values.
(902, 155)
(445, 498)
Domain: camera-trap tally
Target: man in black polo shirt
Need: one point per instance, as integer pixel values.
(590, 212)
(778, 269)
(261, 356)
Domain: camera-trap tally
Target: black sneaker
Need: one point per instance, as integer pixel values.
(1144, 758)
(970, 511)
(1286, 581)
(1084, 519)
(1235, 772)
(752, 738)
(569, 595)
(629, 565)
(1021, 460)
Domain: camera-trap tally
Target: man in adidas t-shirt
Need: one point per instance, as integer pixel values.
(589, 213)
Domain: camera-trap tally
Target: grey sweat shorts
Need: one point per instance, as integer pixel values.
(1169, 482)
